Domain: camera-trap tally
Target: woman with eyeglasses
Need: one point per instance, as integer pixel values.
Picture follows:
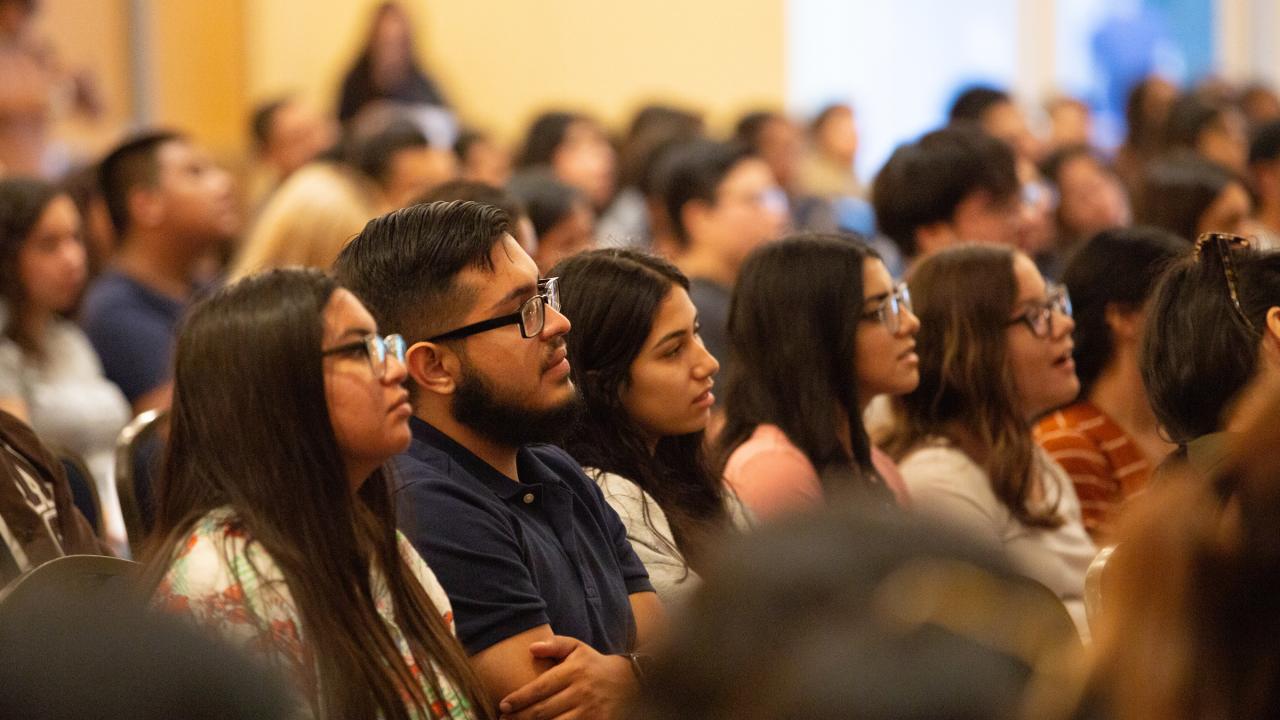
(816, 330)
(1213, 329)
(274, 525)
(995, 354)
(646, 378)
(1108, 440)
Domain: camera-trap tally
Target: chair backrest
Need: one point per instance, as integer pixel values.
(132, 476)
(1093, 585)
(84, 491)
(68, 577)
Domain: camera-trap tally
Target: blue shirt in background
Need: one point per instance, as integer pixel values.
(132, 328)
(547, 550)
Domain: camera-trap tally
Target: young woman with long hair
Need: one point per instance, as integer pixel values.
(646, 380)
(995, 354)
(817, 328)
(274, 524)
(50, 375)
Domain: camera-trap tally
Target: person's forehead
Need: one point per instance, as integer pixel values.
(749, 172)
(512, 268)
(1031, 285)
(344, 312)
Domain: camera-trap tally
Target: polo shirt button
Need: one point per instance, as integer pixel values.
(528, 498)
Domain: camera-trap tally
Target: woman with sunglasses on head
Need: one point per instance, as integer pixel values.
(646, 378)
(995, 354)
(816, 330)
(280, 537)
(1212, 330)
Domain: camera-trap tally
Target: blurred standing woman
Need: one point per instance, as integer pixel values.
(387, 67)
(995, 354)
(49, 373)
(817, 329)
(646, 378)
(280, 536)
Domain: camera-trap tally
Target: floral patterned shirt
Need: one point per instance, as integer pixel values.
(234, 588)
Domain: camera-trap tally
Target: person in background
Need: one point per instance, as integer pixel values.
(952, 185)
(779, 142)
(645, 379)
(1145, 114)
(391, 150)
(50, 376)
(307, 220)
(279, 538)
(575, 149)
(1109, 441)
(827, 169)
(1091, 199)
(1264, 181)
(387, 67)
(995, 354)
(549, 597)
(723, 202)
(793, 435)
(562, 218)
(1214, 130)
(286, 135)
(1188, 195)
(482, 159)
(1213, 328)
(1070, 123)
(521, 226)
(171, 206)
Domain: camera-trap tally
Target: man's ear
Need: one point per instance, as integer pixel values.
(434, 367)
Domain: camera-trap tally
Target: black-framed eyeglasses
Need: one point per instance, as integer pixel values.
(1039, 317)
(377, 349)
(531, 317)
(890, 310)
(1225, 244)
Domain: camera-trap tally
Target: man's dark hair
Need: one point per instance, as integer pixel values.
(131, 164)
(1191, 115)
(694, 171)
(1178, 189)
(372, 154)
(925, 181)
(403, 266)
(548, 200)
(973, 102)
(467, 139)
(478, 191)
(546, 133)
(750, 126)
(1266, 143)
(263, 118)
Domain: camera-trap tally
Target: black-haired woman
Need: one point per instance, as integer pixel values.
(274, 521)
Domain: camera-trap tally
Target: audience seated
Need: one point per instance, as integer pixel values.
(1264, 181)
(1091, 199)
(995, 354)
(391, 149)
(286, 135)
(387, 67)
(171, 207)
(779, 142)
(1188, 195)
(1145, 113)
(575, 150)
(645, 378)
(562, 218)
(950, 186)
(50, 376)
(838, 615)
(1070, 123)
(38, 521)
(547, 592)
(279, 538)
(1213, 129)
(994, 111)
(1109, 441)
(482, 159)
(307, 221)
(521, 227)
(723, 202)
(1212, 328)
(827, 168)
(793, 433)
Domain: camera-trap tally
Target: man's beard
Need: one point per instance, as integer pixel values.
(480, 407)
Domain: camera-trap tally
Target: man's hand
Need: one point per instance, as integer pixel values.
(584, 685)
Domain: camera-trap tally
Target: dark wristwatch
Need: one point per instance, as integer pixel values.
(640, 665)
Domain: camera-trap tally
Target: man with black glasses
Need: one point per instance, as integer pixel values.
(550, 601)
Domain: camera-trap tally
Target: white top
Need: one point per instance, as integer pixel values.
(73, 406)
(653, 540)
(946, 483)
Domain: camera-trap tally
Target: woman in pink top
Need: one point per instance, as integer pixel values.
(817, 328)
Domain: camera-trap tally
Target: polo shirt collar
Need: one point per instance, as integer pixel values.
(501, 485)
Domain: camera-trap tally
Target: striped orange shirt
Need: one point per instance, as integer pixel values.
(1104, 463)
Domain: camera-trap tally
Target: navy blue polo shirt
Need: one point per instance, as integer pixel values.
(132, 328)
(547, 550)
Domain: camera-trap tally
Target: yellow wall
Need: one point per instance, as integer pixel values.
(502, 61)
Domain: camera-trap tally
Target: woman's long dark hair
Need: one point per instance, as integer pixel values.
(613, 297)
(250, 431)
(964, 296)
(22, 202)
(359, 88)
(793, 326)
